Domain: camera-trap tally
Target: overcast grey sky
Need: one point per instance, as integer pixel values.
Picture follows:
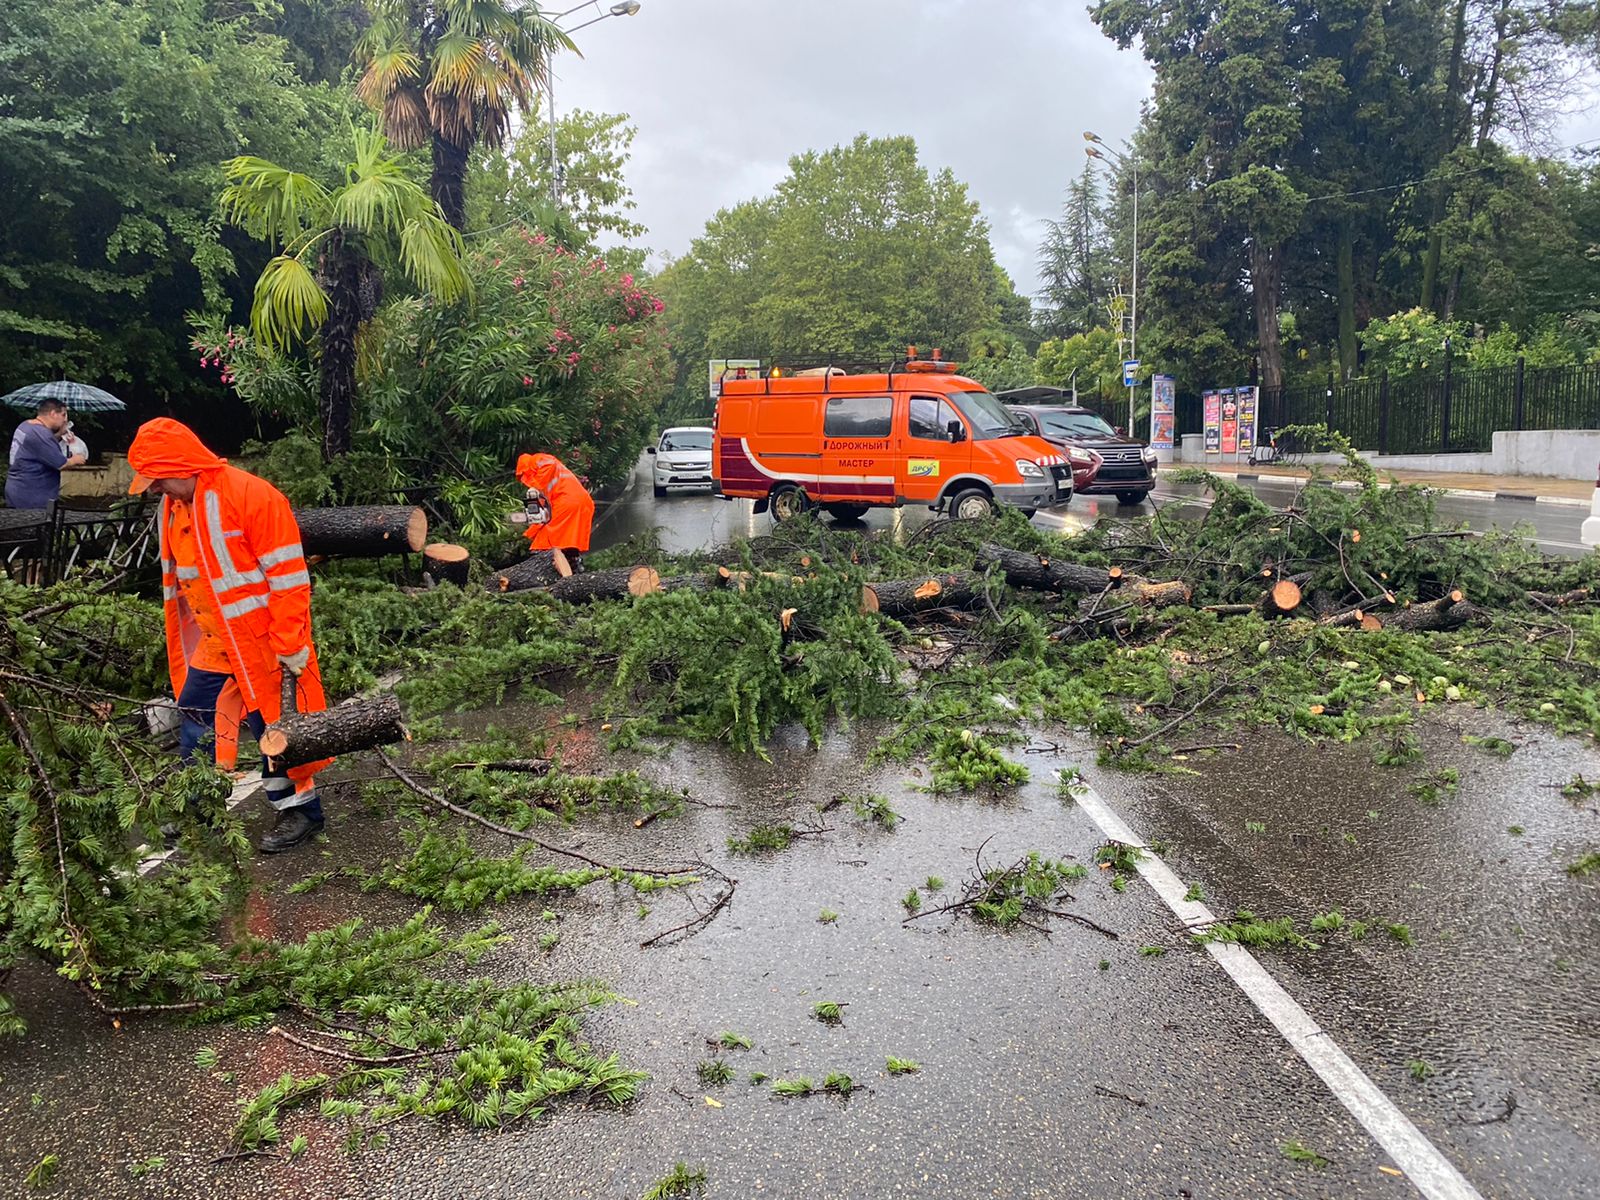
(724, 91)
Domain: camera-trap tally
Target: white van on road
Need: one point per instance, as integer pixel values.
(683, 458)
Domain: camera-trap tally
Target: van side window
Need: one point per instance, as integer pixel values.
(858, 417)
(930, 419)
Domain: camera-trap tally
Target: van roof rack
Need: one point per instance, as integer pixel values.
(827, 366)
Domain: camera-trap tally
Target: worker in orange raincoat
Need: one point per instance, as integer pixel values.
(571, 508)
(237, 596)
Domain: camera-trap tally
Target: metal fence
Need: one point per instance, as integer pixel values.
(45, 545)
(1445, 412)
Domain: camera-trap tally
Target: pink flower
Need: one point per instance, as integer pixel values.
(517, 282)
(627, 281)
(527, 381)
(660, 307)
(540, 240)
(573, 357)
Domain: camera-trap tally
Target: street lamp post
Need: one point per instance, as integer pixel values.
(625, 8)
(1098, 149)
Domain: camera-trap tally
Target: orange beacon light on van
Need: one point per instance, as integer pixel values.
(919, 433)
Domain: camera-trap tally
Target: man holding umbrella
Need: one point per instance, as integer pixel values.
(40, 450)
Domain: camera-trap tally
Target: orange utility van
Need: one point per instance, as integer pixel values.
(917, 433)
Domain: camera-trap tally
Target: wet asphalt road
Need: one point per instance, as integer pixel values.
(1072, 1065)
(688, 520)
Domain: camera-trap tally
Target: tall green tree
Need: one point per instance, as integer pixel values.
(327, 276)
(115, 119)
(511, 184)
(860, 251)
(1076, 275)
(448, 74)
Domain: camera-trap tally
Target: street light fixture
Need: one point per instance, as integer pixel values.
(625, 8)
(1097, 149)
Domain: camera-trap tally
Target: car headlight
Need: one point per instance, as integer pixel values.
(1150, 454)
(1079, 458)
(1029, 469)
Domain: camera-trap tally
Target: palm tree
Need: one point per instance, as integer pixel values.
(450, 72)
(325, 276)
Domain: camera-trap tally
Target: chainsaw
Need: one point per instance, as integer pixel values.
(536, 507)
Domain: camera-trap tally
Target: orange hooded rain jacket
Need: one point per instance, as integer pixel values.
(571, 508)
(249, 560)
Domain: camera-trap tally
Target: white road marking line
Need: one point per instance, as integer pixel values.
(242, 791)
(1432, 1173)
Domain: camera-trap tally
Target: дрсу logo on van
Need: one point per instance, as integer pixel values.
(922, 468)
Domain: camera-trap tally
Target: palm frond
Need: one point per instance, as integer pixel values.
(386, 70)
(287, 301)
(270, 201)
(430, 250)
(455, 62)
(405, 117)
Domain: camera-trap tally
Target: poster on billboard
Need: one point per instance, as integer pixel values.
(730, 366)
(1230, 421)
(1247, 419)
(1163, 411)
(1211, 411)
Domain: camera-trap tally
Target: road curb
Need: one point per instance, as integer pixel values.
(1464, 493)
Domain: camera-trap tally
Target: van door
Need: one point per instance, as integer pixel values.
(928, 458)
(858, 450)
(781, 446)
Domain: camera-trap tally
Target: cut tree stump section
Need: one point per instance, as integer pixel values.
(445, 562)
(363, 532)
(297, 738)
(1281, 599)
(1024, 570)
(540, 569)
(903, 597)
(1434, 616)
(607, 585)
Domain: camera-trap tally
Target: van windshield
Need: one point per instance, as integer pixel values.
(987, 417)
(686, 439)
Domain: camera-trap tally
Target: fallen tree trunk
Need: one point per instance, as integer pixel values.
(903, 597)
(1134, 592)
(540, 569)
(297, 738)
(445, 562)
(369, 531)
(1435, 616)
(1352, 618)
(707, 581)
(1024, 570)
(607, 585)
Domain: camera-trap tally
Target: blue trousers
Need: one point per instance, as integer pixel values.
(198, 735)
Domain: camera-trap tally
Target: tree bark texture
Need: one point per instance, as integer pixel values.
(607, 585)
(1266, 273)
(340, 269)
(369, 531)
(449, 179)
(446, 562)
(539, 569)
(1024, 570)
(298, 738)
(903, 597)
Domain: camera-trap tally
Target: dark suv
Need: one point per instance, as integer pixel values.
(1128, 467)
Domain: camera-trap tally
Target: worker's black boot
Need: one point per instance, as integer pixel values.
(294, 825)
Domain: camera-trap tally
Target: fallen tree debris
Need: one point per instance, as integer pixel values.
(368, 531)
(365, 723)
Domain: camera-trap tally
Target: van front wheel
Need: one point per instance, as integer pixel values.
(971, 504)
(788, 501)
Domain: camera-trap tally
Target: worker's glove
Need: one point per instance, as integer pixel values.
(297, 662)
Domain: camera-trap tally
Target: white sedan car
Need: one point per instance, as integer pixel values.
(683, 458)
